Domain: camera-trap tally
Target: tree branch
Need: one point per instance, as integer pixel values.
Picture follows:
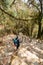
(12, 3)
(40, 5)
(14, 16)
(34, 5)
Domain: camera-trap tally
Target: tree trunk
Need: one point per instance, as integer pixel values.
(39, 20)
(39, 30)
(39, 23)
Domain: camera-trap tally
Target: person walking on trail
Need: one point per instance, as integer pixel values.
(16, 42)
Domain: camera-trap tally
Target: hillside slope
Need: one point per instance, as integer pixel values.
(30, 51)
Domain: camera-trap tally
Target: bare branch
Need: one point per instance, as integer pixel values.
(34, 5)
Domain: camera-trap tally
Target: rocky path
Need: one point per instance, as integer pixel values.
(30, 51)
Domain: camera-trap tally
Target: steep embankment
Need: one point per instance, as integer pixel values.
(30, 51)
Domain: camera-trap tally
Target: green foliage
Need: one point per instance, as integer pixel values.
(22, 11)
(6, 3)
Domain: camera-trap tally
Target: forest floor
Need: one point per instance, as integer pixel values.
(30, 51)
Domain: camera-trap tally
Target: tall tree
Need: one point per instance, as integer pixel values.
(39, 20)
(38, 5)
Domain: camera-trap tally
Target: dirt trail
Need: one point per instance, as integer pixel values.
(30, 50)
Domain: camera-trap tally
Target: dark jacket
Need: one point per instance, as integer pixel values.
(16, 42)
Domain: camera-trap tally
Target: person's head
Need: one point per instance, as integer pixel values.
(16, 37)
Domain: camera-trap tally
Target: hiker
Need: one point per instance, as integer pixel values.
(16, 42)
